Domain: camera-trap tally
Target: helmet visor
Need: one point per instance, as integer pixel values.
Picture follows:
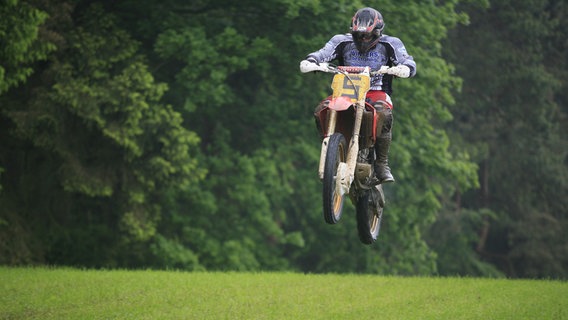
(363, 36)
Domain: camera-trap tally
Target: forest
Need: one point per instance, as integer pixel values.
(180, 135)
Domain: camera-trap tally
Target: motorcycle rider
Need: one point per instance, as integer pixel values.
(366, 45)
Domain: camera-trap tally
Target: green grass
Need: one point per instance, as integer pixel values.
(41, 293)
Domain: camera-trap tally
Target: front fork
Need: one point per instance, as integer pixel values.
(330, 130)
(345, 170)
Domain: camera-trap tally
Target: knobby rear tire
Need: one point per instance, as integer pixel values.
(333, 201)
(369, 214)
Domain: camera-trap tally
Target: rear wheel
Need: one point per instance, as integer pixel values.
(369, 214)
(332, 199)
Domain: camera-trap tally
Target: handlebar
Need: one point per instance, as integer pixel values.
(307, 66)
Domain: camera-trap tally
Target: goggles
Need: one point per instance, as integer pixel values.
(364, 36)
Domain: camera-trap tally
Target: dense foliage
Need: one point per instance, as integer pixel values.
(179, 135)
(512, 116)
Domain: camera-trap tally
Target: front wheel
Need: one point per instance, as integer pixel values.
(369, 214)
(332, 199)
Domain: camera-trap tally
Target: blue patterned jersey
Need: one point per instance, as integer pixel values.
(390, 51)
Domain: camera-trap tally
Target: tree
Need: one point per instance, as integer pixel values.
(253, 80)
(233, 186)
(93, 149)
(512, 112)
(19, 44)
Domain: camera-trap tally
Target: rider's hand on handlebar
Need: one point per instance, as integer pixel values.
(311, 65)
(400, 71)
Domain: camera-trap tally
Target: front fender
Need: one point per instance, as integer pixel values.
(340, 103)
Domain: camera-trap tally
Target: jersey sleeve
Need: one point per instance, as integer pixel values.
(331, 50)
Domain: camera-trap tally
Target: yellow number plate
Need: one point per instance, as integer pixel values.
(354, 87)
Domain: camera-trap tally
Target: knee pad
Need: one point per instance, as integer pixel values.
(387, 114)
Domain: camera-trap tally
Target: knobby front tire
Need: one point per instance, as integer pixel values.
(333, 201)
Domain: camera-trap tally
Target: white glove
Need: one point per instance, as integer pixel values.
(400, 71)
(309, 66)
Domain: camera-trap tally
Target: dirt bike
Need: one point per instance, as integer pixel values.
(347, 169)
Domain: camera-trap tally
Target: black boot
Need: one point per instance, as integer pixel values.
(382, 169)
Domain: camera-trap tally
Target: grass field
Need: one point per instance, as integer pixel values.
(41, 293)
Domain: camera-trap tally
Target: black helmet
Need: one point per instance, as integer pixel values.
(366, 28)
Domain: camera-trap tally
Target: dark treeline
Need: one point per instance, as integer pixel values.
(176, 134)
